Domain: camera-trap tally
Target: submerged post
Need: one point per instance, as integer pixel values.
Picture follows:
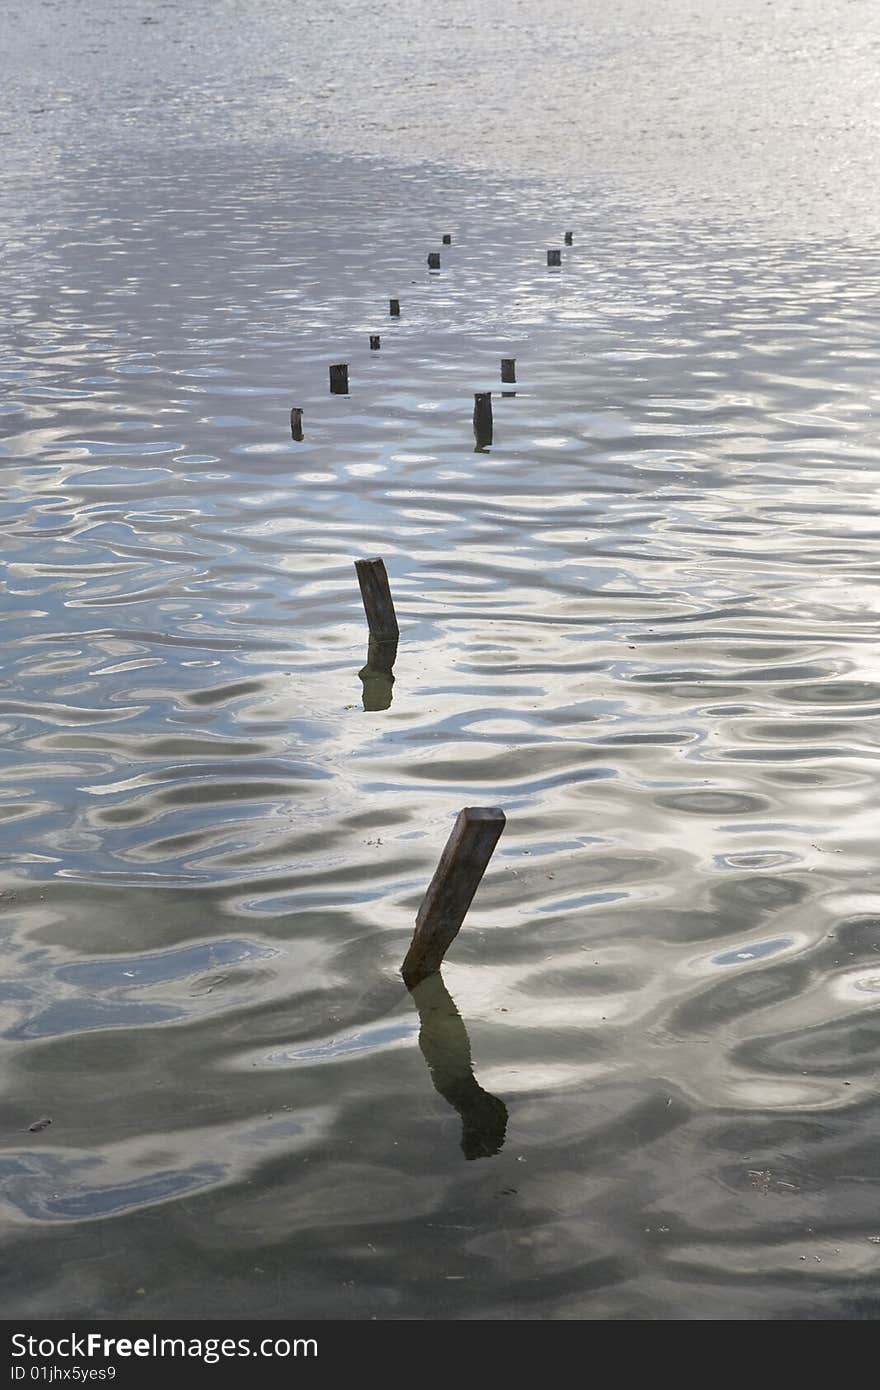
(447, 239)
(339, 379)
(394, 308)
(569, 238)
(375, 342)
(378, 604)
(433, 260)
(462, 864)
(554, 256)
(508, 369)
(296, 424)
(483, 418)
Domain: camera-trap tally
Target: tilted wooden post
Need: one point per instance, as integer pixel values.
(451, 890)
(483, 425)
(508, 369)
(378, 604)
(394, 308)
(296, 424)
(339, 379)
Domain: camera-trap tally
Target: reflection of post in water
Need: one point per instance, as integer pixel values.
(446, 1048)
(378, 674)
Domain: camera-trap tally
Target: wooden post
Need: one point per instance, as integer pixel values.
(447, 239)
(377, 676)
(451, 890)
(394, 308)
(296, 424)
(508, 369)
(339, 379)
(569, 238)
(378, 604)
(433, 260)
(483, 418)
(375, 342)
(554, 256)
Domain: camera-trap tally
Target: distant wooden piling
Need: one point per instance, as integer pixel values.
(483, 427)
(554, 256)
(375, 342)
(296, 424)
(447, 239)
(462, 864)
(508, 369)
(569, 238)
(394, 308)
(433, 260)
(378, 604)
(339, 379)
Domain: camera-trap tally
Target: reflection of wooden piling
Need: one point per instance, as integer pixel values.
(375, 342)
(447, 239)
(508, 369)
(433, 260)
(451, 890)
(554, 256)
(339, 379)
(446, 1048)
(483, 418)
(569, 238)
(296, 424)
(394, 308)
(376, 594)
(378, 674)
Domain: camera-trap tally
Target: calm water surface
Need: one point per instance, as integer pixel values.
(644, 622)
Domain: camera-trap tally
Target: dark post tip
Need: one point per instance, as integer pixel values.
(569, 238)
(447, 239)
(394, 308)
(296, 424)
(483, 426)
(508, 369)
(339, 379)
(433, 260)
(554, 256)
(375, 342)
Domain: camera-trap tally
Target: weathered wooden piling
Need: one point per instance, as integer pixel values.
(483, 418)
(554, 256)
(433, 260)
(375, 342)
(296, 424)
(508, 369)
(339, 379)
(447, 239)
(394, 308)
(378, 604)
(569, 238)
(462, 864)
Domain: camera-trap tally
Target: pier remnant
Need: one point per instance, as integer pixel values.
(462, 864)
(447, 239)
(375, 342)
(433, 260)
(296, 424)
(378, 604)
(569, 238)
(339, 379)
(554, 256)
(394, 308)
(483, 419)
(508, 369)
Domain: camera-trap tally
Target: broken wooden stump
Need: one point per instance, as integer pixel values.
(483, 425)
(447, 239)
(451, 890)
(375, 342)
(569, 238)
(296, 424)
(508, 369)
(394, 308)
(378, 604)
(554, 256)
(339, 379)
(433, 260)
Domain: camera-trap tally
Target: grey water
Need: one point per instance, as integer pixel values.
(643, 621)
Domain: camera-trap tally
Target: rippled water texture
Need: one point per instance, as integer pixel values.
(644, 622)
